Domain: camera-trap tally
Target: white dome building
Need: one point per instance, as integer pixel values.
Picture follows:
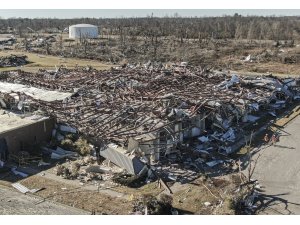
(83, 31)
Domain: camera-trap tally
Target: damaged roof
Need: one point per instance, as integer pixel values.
(10, 121)
(114, 105)
(35, 93)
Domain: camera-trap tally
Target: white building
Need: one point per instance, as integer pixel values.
(83, 31)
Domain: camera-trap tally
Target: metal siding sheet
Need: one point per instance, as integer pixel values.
(20, 187)
(132, 165)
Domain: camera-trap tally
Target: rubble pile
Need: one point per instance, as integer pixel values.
(68, 139)
(150, 205)
(9, 41)
(128, 180)
(249, 198)
(86, 170)
(13, 60)
(149, 113)
(37, 43)
(275, 55)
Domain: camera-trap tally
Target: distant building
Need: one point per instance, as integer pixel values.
(83, 31)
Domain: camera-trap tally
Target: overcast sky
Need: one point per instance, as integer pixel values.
(113, 13)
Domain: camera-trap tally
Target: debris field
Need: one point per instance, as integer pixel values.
(151, 110)
(169, 122)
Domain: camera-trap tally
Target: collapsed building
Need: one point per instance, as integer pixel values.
(145, 114)
(22, 127)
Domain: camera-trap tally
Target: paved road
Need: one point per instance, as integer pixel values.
(278, 169)
(15, 203)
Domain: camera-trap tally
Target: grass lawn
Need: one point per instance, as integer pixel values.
(48, 62)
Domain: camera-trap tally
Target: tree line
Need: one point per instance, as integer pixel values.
(232, 27)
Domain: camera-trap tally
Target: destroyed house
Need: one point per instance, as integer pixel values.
(23, 126)
(150, 114)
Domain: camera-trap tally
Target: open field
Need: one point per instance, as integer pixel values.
(49, 62)
(225, 61)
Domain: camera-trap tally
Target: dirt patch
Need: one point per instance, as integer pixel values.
(92, 201)
(205, 197)
(148, 189)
